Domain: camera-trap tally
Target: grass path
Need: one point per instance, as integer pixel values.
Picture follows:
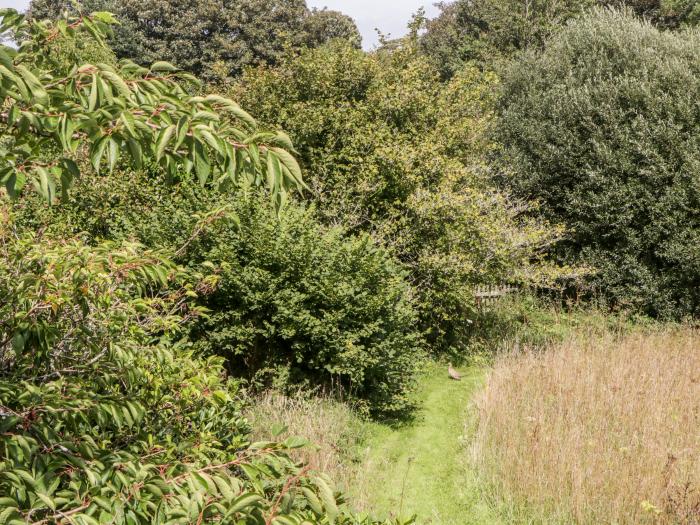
(420, 468)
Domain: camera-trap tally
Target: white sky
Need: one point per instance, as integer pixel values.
(390, 16)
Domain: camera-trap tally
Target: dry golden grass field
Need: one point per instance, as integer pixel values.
(599, 429)
(331, 428)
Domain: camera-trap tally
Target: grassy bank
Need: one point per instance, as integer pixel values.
(416, 468)
(419, 468)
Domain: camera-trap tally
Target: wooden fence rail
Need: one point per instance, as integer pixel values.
(487, 296)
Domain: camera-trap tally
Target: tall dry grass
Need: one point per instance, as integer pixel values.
(599, 429)
(333, 430)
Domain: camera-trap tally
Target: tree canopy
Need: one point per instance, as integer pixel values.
(102, 111)
(392, 151)
(486, 31)
(210, 38)
(603, 128)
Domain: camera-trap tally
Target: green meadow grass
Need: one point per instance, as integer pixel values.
(422, 467)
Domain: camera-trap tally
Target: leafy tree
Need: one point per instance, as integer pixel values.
(104, 419)
(99, 111)
(324, 25)
(602, 128)
(486, 31)
(392, 151)
(211, 38)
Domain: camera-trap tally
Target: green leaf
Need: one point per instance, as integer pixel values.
(244, 116)
(71, 167)
(202, 165)
(104, 16)
(33, 83)
(136, 153)
(97, 152)
(282, 140)
(211, 140)
(295, 442)
(15, 182)
(243, 502)
(154, 490)
(274, 173)
(278, 429)
(92, 101)
(5, 58)
(223, 486)
(6, 423)
(45, 184)
(49, 502)
(313, 500)
(12, 115)
(18, 344)
(113, 154)
(163, 66)
(283, 520)
(182, 130)
(163, 138)
(291, 164)
(9, 513)
(328, 498)
(118, 82)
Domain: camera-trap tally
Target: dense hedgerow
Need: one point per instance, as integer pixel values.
(105, 418)
(603, 129)
(390, 150)
(290, 302)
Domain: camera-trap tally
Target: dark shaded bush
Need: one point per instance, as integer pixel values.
(290, 301)
(603, 128)
(312, 305)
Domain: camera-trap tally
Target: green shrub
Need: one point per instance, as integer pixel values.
(288, 299)
(603, 129)
(322, 308)
(390, 150)
(104, 419)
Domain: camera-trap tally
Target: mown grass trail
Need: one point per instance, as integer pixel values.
(421, 468)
